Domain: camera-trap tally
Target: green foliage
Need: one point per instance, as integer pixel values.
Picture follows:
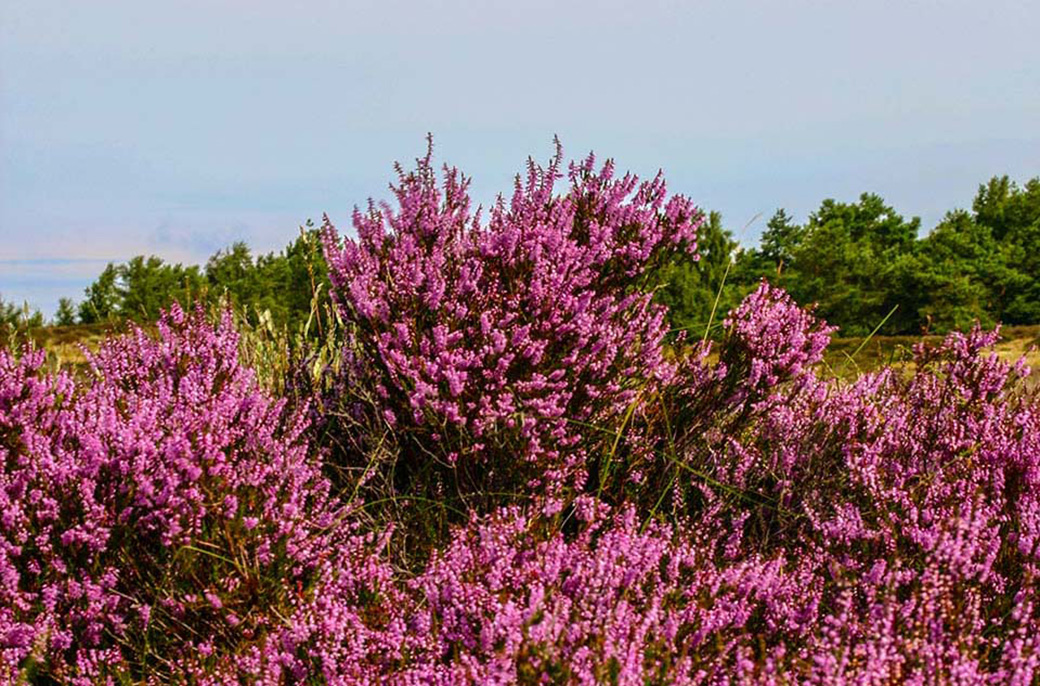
(283, 285)
(987, 261)
(1020, 219)
(138, 290)
(18, 317)
(17, 322)
(849, 258)
(780, 241)
(278, 287)
(149, 285)
(1004, 207)
(66, 314)
(955, 275)
(689, 287)
(858, 261)
(102, 301)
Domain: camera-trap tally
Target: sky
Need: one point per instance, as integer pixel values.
(177, 128)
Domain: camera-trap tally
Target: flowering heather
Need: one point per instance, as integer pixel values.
(906, 503)
(616, 605)
(165, 520)
(878, 532)
(881, 532)
(156, 520)
(487, 344)
(773, 338)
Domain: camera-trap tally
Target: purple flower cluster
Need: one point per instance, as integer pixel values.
(490, 343)
(164, 519)
(619, 604)
(157, 518)
(777, 340)
(905, 504)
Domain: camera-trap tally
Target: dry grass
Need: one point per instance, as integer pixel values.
(64, 344)
(843, 360)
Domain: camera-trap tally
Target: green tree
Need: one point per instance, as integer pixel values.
(689, 287)
(103, 298)
(851, 259)
(16, 321)
(19, 317)
(1012, 214)
(304, 276)
(1005, 207)
(146, 286)
(1021, 296)
(232, 272)
(957, 274)
(283, 284)
(66, 314)
(780, 241)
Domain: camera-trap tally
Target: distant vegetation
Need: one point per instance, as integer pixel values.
(281, 284)
(862, 263)
(12, 315)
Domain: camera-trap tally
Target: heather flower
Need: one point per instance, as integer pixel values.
(481, 347)
(747, 520)
(144, 508)
(902, 501)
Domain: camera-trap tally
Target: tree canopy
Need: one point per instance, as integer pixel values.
(860, 262)
(281, 284)
(863, 263)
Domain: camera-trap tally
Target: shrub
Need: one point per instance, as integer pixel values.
(883, 530)
(621, 514)
(162, 519)
(618, 604)
(906, 504)
(482, 349)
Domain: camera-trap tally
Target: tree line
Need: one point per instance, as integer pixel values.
(282, 284)
(861, 262)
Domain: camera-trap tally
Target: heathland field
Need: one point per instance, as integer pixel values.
(494, 455)
(847, 357)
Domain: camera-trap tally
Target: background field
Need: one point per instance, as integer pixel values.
(845, 357)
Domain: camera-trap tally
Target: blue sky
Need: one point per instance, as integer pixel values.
(176, 128)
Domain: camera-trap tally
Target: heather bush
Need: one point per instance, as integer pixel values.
(905, 503)
(878, 532)
(164, 518)
(765, 358)
(620, 603)
(621, 511)
(479, 350)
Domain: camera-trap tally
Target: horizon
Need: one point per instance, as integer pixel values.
(177, 131)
